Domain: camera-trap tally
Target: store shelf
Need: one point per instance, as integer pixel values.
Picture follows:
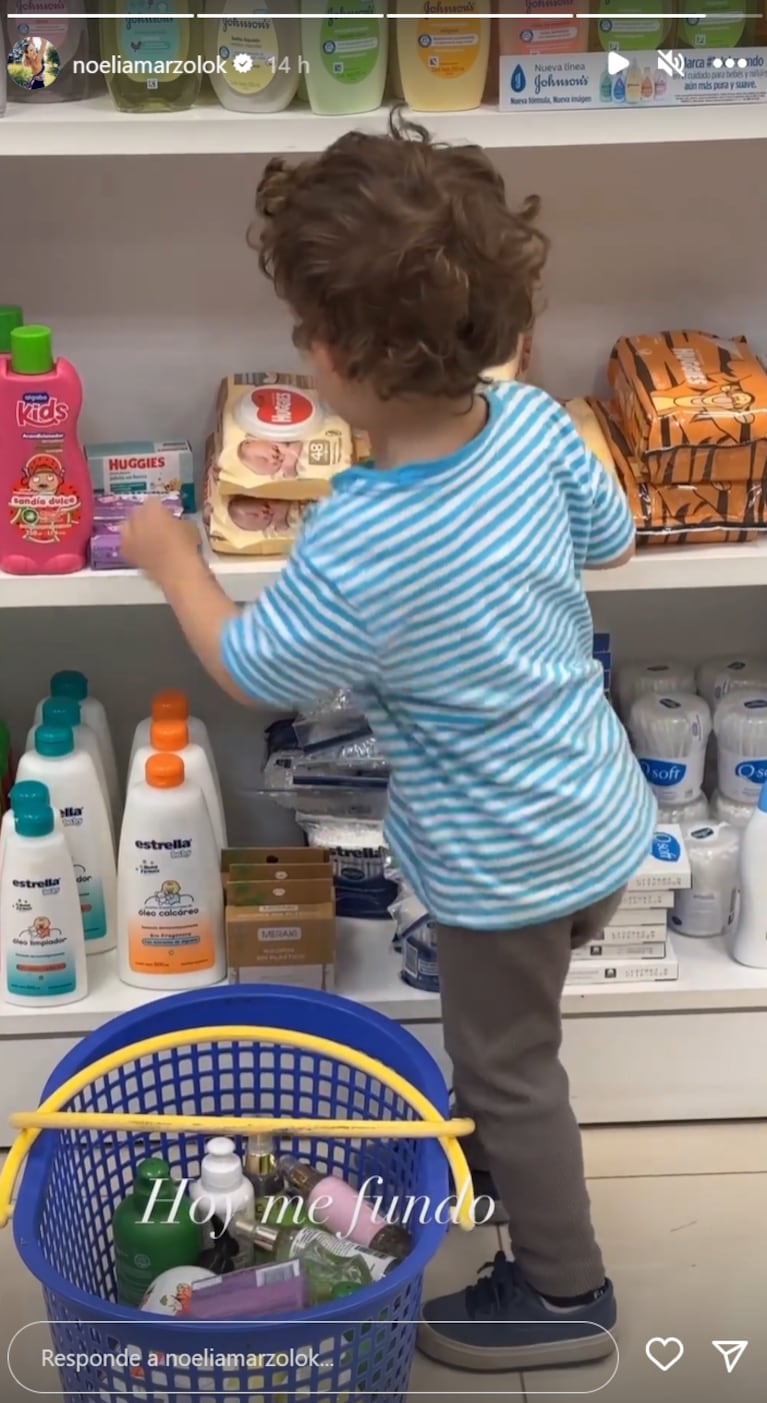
(95, 128)
(243, 581)
(701, 567)
(368, 972)
(688, 567)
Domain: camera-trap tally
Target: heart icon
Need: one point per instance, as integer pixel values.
(664, 1354)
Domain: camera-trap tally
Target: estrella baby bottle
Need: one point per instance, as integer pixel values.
(46, 503)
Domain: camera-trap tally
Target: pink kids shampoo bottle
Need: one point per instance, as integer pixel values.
(46, 501)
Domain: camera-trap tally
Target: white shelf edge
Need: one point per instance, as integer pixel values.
(368, 972)
(692, 567)
(93, 127)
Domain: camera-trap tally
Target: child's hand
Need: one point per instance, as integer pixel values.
(157, 543)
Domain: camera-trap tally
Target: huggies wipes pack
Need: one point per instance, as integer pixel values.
(275, 439)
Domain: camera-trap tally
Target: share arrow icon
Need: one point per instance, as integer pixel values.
(731, 1351)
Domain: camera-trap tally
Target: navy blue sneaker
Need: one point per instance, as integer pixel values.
(502, 1323)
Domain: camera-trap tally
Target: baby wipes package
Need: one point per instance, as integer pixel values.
(275, 439)
(693, 406)
(247, 525)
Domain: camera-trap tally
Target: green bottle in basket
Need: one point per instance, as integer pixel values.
(152, 1230)
(327, 1260)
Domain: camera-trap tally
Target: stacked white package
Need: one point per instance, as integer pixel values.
(635, 946)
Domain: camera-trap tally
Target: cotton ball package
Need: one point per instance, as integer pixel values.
(740, 726)
(729, 672)
(636, 679)
(694, 812)
(708, 907)
(728, 811)
(669, 734)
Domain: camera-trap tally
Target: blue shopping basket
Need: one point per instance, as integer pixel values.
(358, 1347)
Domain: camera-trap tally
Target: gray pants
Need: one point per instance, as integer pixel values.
(501, 993)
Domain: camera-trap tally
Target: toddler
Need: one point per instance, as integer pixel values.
(442, 583)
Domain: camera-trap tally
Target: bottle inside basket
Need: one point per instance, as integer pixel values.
(344, 1210)
(152, 1231)
(326, 1260)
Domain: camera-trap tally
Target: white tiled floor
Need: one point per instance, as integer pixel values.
(682, 1216)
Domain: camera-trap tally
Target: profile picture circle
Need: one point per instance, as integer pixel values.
(33, 63)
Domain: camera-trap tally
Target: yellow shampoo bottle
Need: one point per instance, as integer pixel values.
(443, 53)
(154, 56)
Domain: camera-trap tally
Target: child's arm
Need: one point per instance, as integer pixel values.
(301, 641)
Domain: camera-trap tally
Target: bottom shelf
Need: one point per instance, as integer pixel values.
(368, 972)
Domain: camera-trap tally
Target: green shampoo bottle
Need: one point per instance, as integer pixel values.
(152, 1231)
(155, 60)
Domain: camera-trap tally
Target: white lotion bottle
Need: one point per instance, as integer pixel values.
(26, 795)
(172, 705)
(73, 784)
(257, 42)
(170, 906)
(65, 711)
(42, 931)
(222, 1190)
(173, 737)
(749, 944)
(93, 714)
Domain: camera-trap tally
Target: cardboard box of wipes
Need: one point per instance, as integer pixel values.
(280, 928)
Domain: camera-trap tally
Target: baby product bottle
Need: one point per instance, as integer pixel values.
(345, 45)
(149, 1238)
(343, 1210)
(166, 36)
(11, 316)
(92, 714)
(258, 41)
(24, 795)
(443, 55)
(222, 1191)
(327, 1261)
(42, 43)
(641, 25)
(65, 711)
(721, 25)
(173, 736)
(749, 946)
(73, 783)
(539, 33)
(42, 929)
(46, 525)
(172, 705)
(169, 899)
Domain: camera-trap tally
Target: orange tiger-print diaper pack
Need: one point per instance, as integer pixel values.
(701, 513)
(693, 406)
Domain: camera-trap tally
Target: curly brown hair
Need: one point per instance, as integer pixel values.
(403, 257)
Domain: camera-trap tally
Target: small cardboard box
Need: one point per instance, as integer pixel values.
(287, 926)
(667, 866)
(274, 857)
(271, 895)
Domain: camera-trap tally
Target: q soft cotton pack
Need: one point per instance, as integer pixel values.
(669, 733)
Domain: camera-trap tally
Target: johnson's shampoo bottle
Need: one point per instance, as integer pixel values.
(46, 501)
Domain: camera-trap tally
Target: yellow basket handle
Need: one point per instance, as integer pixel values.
(52, 1116)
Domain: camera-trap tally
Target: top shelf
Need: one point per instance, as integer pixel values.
(95, 128)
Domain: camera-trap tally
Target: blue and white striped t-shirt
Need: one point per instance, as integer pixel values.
(447, 594)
